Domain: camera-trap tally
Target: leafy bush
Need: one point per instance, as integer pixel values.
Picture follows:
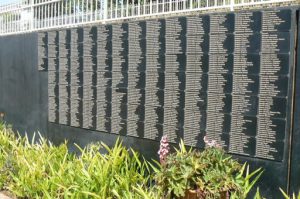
(288, 197)
(211, 173)
(7, 138)
(38, 169)
(41, 170)
(257, 195)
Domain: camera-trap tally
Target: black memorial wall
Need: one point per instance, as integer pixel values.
(227, 76)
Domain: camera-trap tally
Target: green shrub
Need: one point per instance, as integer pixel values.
(38, 169)
(7, 141)
(41, 170)
(210, 173)
(288, 197)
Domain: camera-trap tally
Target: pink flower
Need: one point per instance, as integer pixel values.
(164, 149)
(211, 143)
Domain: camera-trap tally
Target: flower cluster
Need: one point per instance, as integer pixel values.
(164, 149)
(211, 143)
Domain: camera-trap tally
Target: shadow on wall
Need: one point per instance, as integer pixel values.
(23, 90)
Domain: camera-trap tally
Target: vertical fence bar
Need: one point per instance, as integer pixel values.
(47, 15)
(61, 10)
(85, 10)
(56, 14)
(89, 5)
(52, 10)
(75, 11)
(34, 17)
(12, 21)
(1, 21)
(91, 12)
(6, 22)
(69, 14)
(65, 9)
(82, 10)
(96, 10)
(122, 7)
(41, 16)
(111, 9)
(37, 17)
(44, 15)
(18, 19)
(59, 13)
(139, 7)
(9, 23)
(127, 2)
(50, 14)
(116, 11)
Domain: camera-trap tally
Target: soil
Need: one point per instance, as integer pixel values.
(5, 195)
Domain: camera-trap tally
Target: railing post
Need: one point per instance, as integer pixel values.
(31, 14)
(231, 5)
(104, 8)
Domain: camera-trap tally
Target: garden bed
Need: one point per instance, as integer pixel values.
(38, 169)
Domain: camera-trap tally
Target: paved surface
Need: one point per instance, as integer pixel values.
(2, 196)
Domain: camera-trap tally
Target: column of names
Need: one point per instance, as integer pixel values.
(155, 78)
(53, 60)
(119, 78)
(136, 78)
(104, 78)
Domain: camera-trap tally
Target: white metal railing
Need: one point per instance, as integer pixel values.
(33, 15)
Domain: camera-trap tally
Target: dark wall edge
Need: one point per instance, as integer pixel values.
(295, 156)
